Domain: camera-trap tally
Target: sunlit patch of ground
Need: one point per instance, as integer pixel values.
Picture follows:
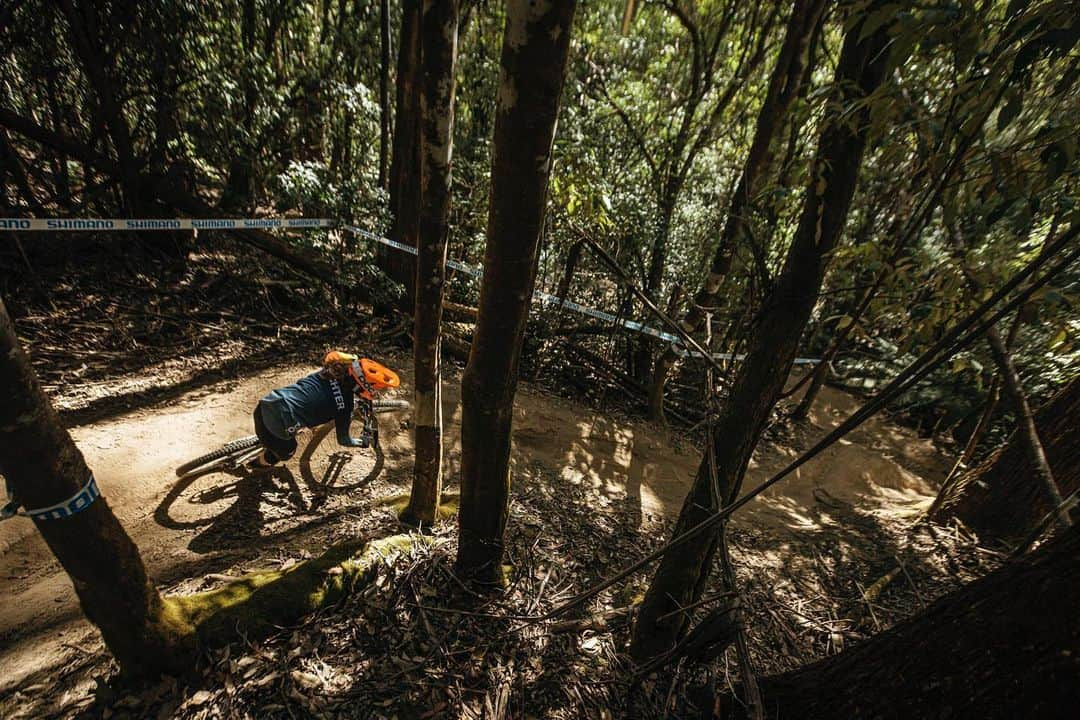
(592, 492)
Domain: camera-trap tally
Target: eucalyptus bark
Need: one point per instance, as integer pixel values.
(783, 88)
(405, 162)
(680, 578)
(1003, 646)
(536, 43)
(43, 467)
(439, 29)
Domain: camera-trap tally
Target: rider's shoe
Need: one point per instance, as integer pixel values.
(259, 463)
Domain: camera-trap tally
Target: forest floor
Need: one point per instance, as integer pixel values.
(830, 556)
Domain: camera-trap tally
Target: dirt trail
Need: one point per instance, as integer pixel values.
(208, 525)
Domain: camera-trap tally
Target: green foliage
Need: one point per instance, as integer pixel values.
(272, 104)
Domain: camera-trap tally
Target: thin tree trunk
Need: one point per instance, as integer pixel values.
(535, 48)
(84, 32)
(782, 91)
(629, 11)
(1002, 647)
(1028, 433)
(680, 578)
(654, 276)
(439, 28)
(239, 188)
(384, 90)
(405, 163)
(993, 397)
(573, 257)
(997, 499)
(43, 467)
(62, 182)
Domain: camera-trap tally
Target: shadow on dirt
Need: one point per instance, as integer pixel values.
(258, 498)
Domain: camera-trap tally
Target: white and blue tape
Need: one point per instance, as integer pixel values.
(549, 299)
(139, 224)
(136, 224)
(64, 509)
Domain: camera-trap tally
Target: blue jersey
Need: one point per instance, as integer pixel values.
(309, 402)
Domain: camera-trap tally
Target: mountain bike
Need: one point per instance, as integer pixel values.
(236, 453)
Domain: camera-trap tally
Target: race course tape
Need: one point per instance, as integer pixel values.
(540, 295)
(138, 224)
(61, 224)
(549, 299)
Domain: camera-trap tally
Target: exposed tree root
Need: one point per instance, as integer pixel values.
(260, 602)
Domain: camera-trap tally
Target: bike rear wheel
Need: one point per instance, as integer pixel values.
(224, 453)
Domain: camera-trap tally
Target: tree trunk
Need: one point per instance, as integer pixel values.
(903, 236)
(573, 257)
(384, 90)
(782, 90)
(85, 33)
(405, 163)
(1028, 433)
(820, 373)
(654, 276)
(535, 48)
(999, 499)
(239, 193)
(1002, 647)
(681, 577)
(43, 467)
(438, 57)
(993, 396)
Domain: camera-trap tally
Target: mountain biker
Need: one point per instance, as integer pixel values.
(329, 394)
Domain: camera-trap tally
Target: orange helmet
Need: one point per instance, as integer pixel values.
(377, 375)
(368, 374)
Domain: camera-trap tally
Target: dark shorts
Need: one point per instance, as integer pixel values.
(278, 449)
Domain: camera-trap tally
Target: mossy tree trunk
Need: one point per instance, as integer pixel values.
(405, 161)
(1002, 647)
(681, 576)
(535, 47)
(257, 604)
(999, 499)
(782, 90)
(43, 467)
(438, 58)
